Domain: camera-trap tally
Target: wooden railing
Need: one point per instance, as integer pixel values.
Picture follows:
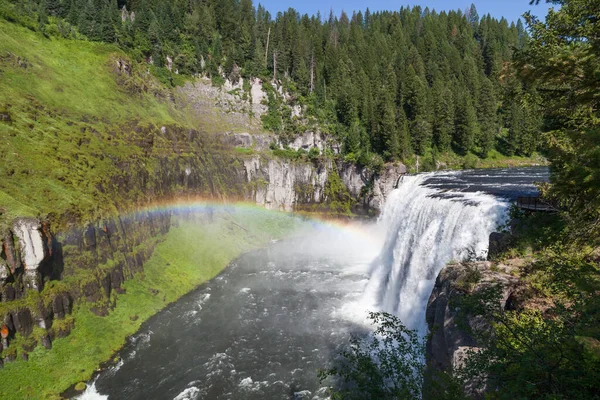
(532, 203)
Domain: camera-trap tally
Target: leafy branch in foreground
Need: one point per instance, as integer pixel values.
(388, 364)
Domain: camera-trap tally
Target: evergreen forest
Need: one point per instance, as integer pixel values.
(388, 85)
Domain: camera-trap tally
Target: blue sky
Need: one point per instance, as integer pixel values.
(510, 9)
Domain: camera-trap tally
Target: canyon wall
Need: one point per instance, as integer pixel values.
(45, 272)
(84, 264)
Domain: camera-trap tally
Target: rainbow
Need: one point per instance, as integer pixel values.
(199, 205)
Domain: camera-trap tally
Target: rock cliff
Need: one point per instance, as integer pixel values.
(450, 341)
(109, 251)
(288, 185)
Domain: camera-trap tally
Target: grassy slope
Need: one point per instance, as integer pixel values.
(64, 101)
(192, 253)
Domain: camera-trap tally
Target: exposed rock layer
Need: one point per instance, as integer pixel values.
(111, 251)
(284, 185)
(449, 344)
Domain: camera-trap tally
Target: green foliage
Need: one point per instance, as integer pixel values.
(287, 153)
(470, 161)
(561, 61)
(469, 279)
(272, 120)
(387, 364)
(314, 153)
(538, 353)
(167, 77)
(336, 194)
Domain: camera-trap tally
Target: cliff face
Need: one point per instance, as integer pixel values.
(449, 343)
(286, 185)
(283, 185)
(105, 254)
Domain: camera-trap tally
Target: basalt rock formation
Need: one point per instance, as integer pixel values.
(110, 252)
(451, 340)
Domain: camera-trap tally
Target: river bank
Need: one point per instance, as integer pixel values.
(171, 272)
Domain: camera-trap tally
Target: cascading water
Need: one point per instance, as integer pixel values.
(262, 328)
(426, 229)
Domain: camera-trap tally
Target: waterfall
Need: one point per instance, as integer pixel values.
(425, 229)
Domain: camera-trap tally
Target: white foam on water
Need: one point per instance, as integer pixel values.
(190, 393)
(424, 233)
(91, 393)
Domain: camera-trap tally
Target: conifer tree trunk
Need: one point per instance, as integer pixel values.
(312, 71)
(267, 50)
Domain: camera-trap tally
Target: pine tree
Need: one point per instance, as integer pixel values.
(73, 15)
(472, 16)
(403, 133)
(42, 16)
(88, 21)
(352, 143)
(466, 129)
(110, 22)
(53, 7)
(386, 142)
(416, 111)
(487, 117)
(443, 128)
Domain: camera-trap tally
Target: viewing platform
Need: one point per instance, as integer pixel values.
(534, 203)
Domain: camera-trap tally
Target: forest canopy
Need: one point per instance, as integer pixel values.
(391, 84)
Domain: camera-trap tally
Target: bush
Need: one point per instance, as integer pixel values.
(385, 365)
(314, 153)
(470, 161)
(286, 153)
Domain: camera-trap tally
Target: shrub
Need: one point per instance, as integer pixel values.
(314, 153)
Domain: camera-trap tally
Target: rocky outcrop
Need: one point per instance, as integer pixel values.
(111, 251)
(25, 249)
(281, 185)
(307, 141)
(288, 185)
(384, 183)
(450, 341)
(33, 249)
(230, 104)
(244, 140)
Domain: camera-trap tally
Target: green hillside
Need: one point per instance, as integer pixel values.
(60, 100)
(76, 129)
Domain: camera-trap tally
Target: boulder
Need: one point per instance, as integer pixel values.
(23, 321)
(58, 307)
(46, 342)
(307, 141)
(499, 243)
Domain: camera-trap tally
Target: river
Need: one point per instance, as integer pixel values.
(263, 327)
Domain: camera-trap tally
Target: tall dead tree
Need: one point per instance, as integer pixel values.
(267, 50)
(312, 71)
